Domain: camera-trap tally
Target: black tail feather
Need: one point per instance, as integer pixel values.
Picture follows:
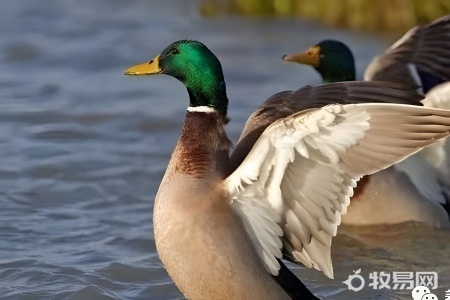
(292, 285)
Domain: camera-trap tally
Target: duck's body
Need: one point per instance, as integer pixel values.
(222, 223)
(384, 197)
(205, 243)
(404, 192)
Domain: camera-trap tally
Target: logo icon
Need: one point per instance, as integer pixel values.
(356, 276)
(422, 293)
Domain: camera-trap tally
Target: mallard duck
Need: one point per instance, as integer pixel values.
(419, 59)
(221, 227)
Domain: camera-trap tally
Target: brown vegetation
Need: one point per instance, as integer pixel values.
(391, 15)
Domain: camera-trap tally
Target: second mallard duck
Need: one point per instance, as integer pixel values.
(418, 189)
(417, 60)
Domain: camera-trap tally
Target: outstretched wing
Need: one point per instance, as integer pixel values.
(429, 169)
(297, 180)
(286, 103)
(420, 57)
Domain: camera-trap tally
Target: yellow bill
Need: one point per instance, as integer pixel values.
(309, 57)
(147, 68)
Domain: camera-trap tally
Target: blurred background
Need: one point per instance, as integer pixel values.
(84, 148)
(392, 15)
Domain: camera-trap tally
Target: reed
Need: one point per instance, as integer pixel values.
(389, 15)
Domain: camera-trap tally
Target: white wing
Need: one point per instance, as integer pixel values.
(296, 182)
(429, 169)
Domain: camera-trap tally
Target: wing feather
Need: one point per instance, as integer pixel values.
(297, 180)
(424, 48)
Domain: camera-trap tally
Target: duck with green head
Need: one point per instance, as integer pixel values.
(401, 193)
(418, 59)
(332, 59)
(222, 223)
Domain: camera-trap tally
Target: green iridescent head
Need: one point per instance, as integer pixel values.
(196, 67)
(332, 59)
